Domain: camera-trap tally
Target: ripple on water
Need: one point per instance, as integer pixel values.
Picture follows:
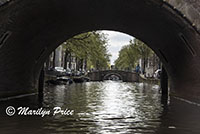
(106, 108)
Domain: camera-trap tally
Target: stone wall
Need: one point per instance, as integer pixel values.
(189, 9)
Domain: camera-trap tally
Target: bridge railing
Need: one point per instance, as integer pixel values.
(124, 70)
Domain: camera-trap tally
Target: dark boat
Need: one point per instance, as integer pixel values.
(81, 79)
(64, 80)
(78, 79)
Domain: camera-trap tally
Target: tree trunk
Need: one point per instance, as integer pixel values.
(81, 64)
(144, 65)
(85, 64)
(70, 60)
(77, 64)
(65, 59)
(97, 65)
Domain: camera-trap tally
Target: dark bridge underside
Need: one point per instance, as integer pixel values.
(31, 29)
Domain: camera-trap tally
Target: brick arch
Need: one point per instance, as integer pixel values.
(31, 30)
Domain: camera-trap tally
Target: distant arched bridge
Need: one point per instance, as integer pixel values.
(125, 76)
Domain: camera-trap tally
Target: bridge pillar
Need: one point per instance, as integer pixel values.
(164, 82)
(95, 76)
(41, 84)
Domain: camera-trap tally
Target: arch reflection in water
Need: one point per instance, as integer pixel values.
(113, 77)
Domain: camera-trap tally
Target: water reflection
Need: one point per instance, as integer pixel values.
(104, 107)
(107, 107)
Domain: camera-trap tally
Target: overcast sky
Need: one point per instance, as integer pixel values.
(116, 41)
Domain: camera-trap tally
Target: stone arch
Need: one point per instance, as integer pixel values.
(31, 30)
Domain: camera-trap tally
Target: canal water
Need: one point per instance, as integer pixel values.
(107, 107)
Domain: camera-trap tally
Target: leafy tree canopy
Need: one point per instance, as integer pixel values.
(130, 54)
(91, 46)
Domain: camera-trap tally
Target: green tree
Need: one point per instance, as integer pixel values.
(142, 51)
(126, 59)
(90, 48)
(130, 54)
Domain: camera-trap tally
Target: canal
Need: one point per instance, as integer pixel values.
(107, 107)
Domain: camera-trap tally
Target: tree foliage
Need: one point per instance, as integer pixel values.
(142, 50)
(126, 59)
(90, 47)
(130, 54)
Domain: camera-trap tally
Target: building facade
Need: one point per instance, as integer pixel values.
(150, 65)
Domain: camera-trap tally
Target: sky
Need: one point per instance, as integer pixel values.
(115, 42)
